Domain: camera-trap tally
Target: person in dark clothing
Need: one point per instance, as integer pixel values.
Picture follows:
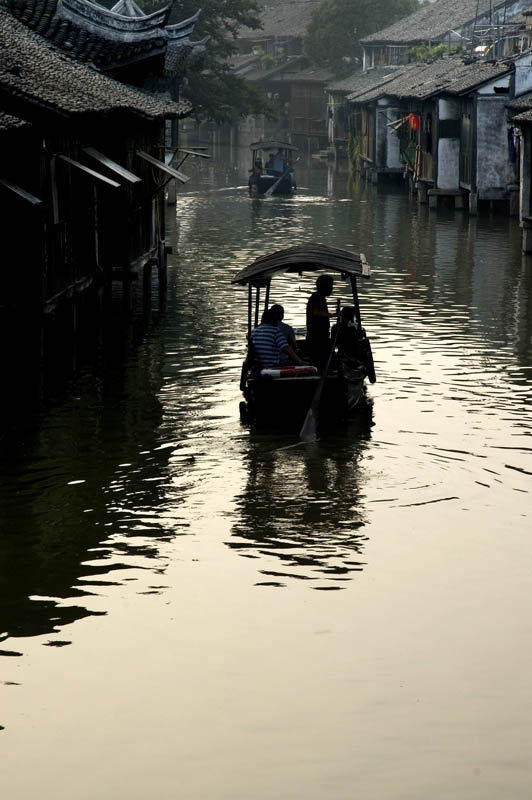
(348, 334)
(286, 329)
(318, 321)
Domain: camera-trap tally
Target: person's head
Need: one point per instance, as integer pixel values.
(324, 285)
(278, 312)
(348, 314)
(268, 318)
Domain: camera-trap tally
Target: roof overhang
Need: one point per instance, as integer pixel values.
(304, 258)
(272, 144)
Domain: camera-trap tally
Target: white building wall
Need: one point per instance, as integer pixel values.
(393, 151)
(448, 164)
(494, 170)
(523, 74)
(388, 149)
(448, 108)
(448, 173)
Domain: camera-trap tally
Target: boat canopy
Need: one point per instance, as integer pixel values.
(306, 257)
(272, 144)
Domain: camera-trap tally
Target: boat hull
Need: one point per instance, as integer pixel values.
(259, 184)
(284, 402)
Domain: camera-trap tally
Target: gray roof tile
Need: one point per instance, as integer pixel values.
(363, 81)
(450, 75)
(89, 32)
(33, 70)
(287, 19)
(433, 21)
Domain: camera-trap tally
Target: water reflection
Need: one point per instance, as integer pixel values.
(132, 452)
(302, 511)
(59, 497)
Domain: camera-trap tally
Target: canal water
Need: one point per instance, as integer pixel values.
(191, 609)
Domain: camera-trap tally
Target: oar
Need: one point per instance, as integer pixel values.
(310, 425)
(274, 186)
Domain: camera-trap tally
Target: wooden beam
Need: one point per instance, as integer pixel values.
(89, 171)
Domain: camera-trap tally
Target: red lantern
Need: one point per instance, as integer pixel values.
(413, 121)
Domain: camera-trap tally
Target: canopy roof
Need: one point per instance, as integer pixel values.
(272, 144)
(305, 257)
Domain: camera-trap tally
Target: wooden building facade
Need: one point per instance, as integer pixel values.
(81, 177)
(448, 124)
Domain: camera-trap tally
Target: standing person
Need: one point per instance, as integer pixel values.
(278, 162)
(318, 321)
(286, 329)
(270, 345)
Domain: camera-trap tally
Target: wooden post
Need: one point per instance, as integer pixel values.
(162, 267)
(422, 193)
(250, 304)
(146, 284)
(356, 303)
(526, 225)
(267, 297)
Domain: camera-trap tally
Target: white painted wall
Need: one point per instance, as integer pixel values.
(489, 88)
(393, 152)
(448, 175)
(448, 164)
(388, 152)
(494, 170)
(448, 108)
(523, 74)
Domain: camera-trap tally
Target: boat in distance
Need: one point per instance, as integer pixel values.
(282, 396)
(272, 168)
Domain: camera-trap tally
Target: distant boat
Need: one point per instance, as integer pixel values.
(272, 168)
(292, 395)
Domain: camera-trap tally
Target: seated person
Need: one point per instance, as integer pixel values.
(288, 331)
(348, 334)
(270, 345)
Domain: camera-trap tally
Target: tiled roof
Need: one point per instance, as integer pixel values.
(285, 71)
(308, 75)
(450, 75)
(362, 81)
(521, 103)
(10, 123)
(434, 21)
(282, 21)
(525, 117)
(36, 73)
(89, 32)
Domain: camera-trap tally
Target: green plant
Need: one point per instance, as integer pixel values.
(353, 152)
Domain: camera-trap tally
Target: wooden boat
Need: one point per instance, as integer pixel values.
(272, 168)
(284, 396)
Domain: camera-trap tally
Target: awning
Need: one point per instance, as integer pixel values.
(21, 192)
(305, 258)
(81, 167)
(164, 167)
(108, 162)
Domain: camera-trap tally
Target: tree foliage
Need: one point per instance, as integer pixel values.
(212, 89)
(426, 53)
(336, 27)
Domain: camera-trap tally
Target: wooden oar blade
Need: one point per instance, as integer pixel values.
(309, 428)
